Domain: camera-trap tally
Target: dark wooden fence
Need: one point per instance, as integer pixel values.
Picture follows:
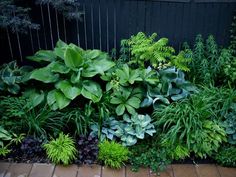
(106, 22)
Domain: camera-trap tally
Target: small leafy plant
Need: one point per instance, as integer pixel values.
(226, 156)
(11, 76)
(113, 154)
(61, 150)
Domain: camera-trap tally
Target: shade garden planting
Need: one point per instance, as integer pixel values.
(151, 106)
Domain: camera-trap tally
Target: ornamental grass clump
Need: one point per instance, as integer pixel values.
(112, 154)
(61, 149)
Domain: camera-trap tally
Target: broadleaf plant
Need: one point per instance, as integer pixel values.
(70, 70)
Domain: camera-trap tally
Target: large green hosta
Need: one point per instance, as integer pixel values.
(70, 70)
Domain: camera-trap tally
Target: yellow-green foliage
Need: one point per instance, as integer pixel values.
(112, 154)
(144, 49)
(61, 149)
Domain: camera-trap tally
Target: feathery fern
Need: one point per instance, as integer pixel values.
(146, 50)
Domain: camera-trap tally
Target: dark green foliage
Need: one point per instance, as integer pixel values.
(61, 150)
(187, 126)
(70, 71)
(230, 124)
(146, 51)
(11, 76)
(149, 155)
(14, 17)
(18, 116)
(233, 35)
(69, 8)
(112, 154)
(87, 149)
(172, 87)
(226, 156)
(207, 66)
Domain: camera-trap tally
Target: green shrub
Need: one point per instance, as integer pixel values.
(226, 156)
(209, 61)
(18, 116)
(112, 154)
(146, 50)
(187, 127)
(61, 149)
(230, 124)
(150, 155)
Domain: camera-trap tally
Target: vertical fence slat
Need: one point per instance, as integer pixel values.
(9, 43)
(43, 26)
(58, 32)
(50, 25)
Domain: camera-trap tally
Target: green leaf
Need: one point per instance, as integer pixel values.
(134, 102)
(75, 77)
(73, 58)
(58, 67)
(14, 89)
(115, 100)
(61, 100)
(146, 102)
(130, 109)
(44, 75)
(91, 90)
(120, 110)
(68, 90)
(43, 55)
(51, 99)
(97, 67)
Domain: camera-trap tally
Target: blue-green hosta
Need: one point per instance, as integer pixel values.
(134, 128)
(11, 76)
(172, 87)
(128, 130)
(70, 71)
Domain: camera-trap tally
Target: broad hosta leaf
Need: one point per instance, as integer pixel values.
(58, 67)
(91, 90)
(97, 67)
(73, 58)
(43, 55)
(14, 89)
(146, 102)
(61, 100)
(92, 54)
(75, 77)
(35, 97)
(68, 90)
(44, 75)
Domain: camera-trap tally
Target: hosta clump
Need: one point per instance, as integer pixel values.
(69, 72)
(134, 128)
(230, 124)
(87, 149)
(107, 131)
(11, 76)
(172, 87)
(31, 147)
(61, 150)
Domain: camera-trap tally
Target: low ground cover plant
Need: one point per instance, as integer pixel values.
(149, 107)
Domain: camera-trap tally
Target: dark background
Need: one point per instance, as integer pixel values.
(106, 22)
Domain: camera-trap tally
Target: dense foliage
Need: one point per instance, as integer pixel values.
(113, 154)
(61, 149)
(139, 108)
